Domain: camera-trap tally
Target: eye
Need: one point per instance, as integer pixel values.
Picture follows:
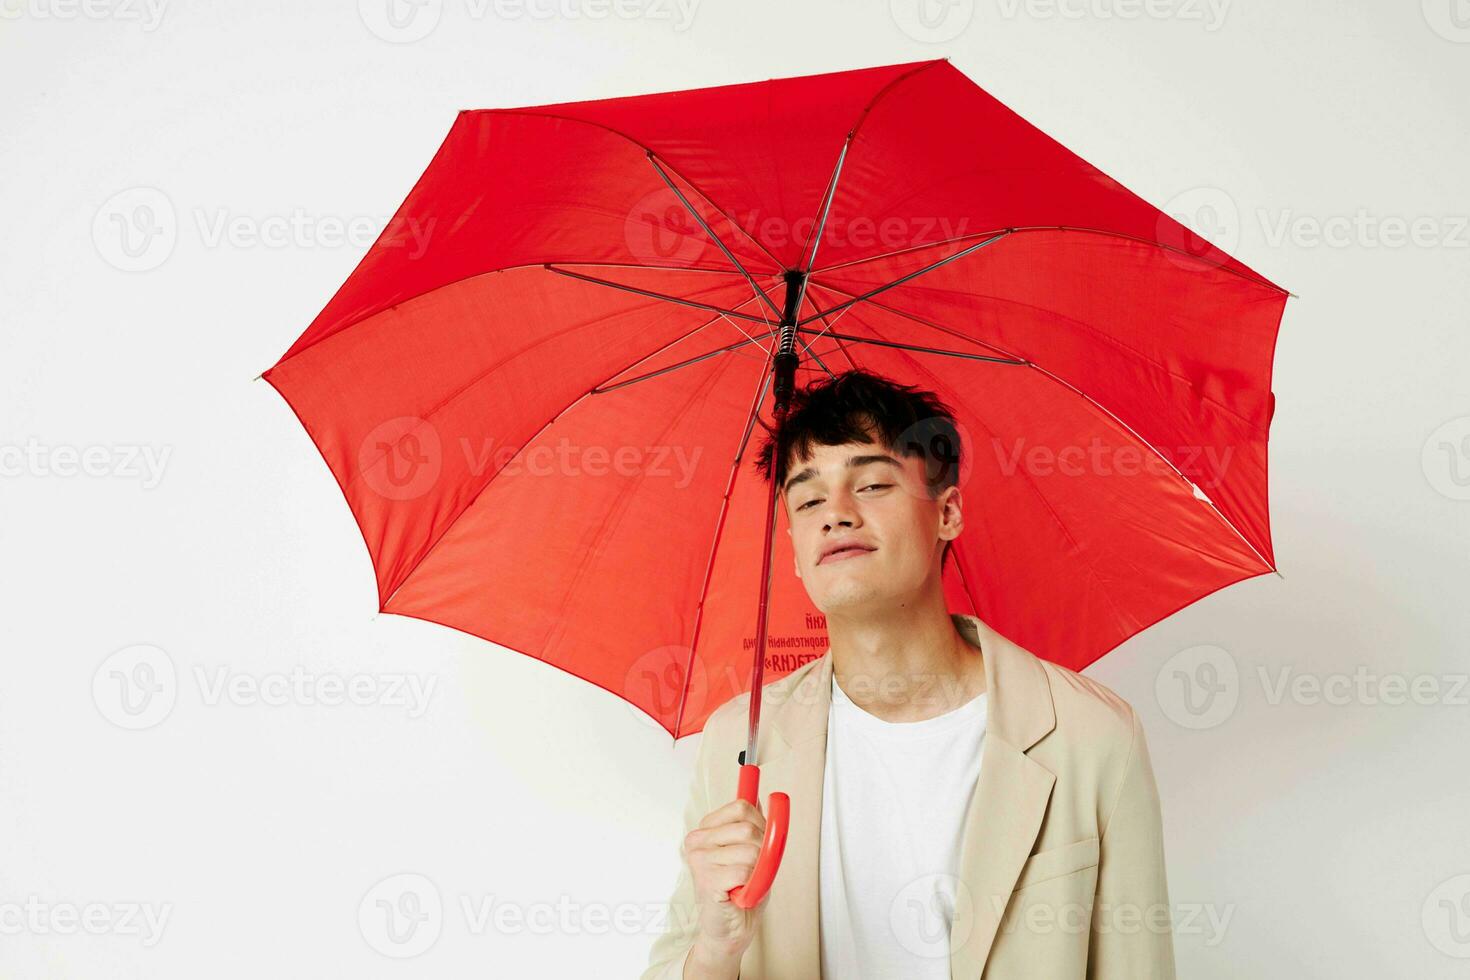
(870, 486)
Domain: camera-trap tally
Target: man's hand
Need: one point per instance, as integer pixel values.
(721, 853)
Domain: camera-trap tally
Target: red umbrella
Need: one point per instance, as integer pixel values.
(540, 388)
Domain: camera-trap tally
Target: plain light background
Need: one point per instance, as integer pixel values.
(183, 187)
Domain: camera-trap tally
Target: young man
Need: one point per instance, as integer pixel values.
(959, 806)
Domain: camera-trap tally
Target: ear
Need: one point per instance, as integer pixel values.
(951, 514)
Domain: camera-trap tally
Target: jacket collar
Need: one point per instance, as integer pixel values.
(1019, 709)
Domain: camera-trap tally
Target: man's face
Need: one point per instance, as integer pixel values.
(867, 495)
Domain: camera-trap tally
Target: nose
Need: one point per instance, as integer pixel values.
(838, 511)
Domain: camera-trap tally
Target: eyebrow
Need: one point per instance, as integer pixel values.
(853, 462)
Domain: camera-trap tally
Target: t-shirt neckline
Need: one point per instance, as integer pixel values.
(966, 714)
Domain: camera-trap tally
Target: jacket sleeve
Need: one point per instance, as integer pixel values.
(1132, 932)
(671, 949)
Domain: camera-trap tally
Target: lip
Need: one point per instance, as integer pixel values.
(849, 550)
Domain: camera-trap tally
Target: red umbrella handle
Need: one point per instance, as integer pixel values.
(778, 818)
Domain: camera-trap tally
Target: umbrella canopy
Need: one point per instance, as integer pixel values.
(542, 388)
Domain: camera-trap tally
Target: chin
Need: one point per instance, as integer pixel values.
(849, 595)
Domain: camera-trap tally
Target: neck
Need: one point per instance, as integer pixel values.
(907, 663)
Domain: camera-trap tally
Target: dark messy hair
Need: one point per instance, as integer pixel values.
(859, 406)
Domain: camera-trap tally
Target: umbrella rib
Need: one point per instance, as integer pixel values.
(650, 268)
(909, 276)
(1195, 491)
(622, 135)
(766, 375)
(674, 367)
(653, 295)
(913, 347)
(712, 236)
(826, 209)
(920, 320)
(1106, 233)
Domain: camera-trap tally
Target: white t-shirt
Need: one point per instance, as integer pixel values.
(894, 799)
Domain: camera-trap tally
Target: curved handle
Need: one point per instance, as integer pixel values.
(778, 819)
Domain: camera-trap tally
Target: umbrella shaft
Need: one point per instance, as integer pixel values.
(784, 365)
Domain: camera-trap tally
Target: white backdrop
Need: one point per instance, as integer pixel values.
(183, 187)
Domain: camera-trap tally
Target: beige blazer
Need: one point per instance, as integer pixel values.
(1061, 870)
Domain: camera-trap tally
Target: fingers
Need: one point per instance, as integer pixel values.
(730, 812)
(722, 878)
(741, 832)
(736, 855)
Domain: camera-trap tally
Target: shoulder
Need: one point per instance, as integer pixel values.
(1092, 720)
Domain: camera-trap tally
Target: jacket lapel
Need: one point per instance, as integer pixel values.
(1010, 796)
(1001, 824)
(794, 762)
